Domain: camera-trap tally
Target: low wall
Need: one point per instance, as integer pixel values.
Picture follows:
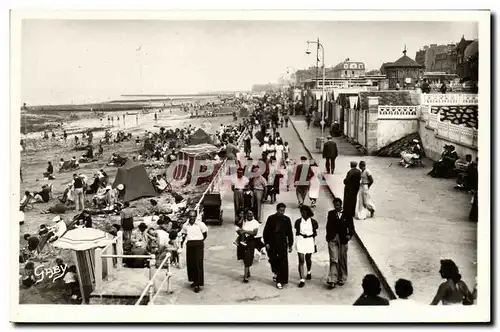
(391, 130)
(433, 143)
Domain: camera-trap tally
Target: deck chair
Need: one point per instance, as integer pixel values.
(66, 166)
(28, 204)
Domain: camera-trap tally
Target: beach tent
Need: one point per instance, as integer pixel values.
(200, 137)
(136, 181)
(187, 156)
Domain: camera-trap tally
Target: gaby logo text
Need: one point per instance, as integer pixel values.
(54, 273)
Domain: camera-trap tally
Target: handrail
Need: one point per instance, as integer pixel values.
(196, 208)
(216, 177)
(129, 256)
(151, 280)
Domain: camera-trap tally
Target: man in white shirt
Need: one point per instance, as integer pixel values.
(194, 233)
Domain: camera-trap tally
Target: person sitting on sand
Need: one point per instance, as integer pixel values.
(139, 236)
(74, 163)
(157, 210)
(26, 200)
(94, 187)
(58, 208)
(71, 281)
(165, 223)
(44, 195)
(50, 171)
(83, 220)
(28, 278)
(161, 184)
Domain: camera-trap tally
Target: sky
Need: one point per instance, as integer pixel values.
(75, 61)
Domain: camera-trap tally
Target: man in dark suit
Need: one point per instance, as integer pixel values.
(339, 230)
(330, 153)
(278, 238)
(351, 188)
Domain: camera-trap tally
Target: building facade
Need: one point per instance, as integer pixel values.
(404, 71)
(348, 69)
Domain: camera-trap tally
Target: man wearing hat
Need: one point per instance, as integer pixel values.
(330, 153)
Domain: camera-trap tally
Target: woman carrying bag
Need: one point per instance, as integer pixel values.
(306, 230)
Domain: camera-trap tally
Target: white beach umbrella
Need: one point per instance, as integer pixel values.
(81, 239)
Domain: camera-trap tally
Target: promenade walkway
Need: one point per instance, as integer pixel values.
(224, 274)
(419, 219)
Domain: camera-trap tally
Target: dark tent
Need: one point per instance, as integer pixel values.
(136, 181)
(200, 137)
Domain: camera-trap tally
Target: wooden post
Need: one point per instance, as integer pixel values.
(119, 249)
(98, 268)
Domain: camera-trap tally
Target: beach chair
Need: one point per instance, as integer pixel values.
(27, 205)
(65, 166)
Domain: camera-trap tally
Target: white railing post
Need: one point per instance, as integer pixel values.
(109, 261)
(98, 268)
(119, 249)
(152, 266)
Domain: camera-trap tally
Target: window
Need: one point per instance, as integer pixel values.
(353, 72)
(346, 73)
(353, 66)
(346, 66)
(360, 66)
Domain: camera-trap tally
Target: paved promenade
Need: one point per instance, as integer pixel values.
(419, 220)
(224, 274)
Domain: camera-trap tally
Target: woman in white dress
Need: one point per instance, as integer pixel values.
(279, 148)
(306, 230)
(314, 184)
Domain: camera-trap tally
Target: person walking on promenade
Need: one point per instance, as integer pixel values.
(339, 230)
(306, 230)
(371, 291)
(330, 153)
(308, 119)
(364, 202)
(287, 118)
(351, 188)
(278, 238)
(245, 251)
(303, 173)
(247, 141)
(259, 184)
(238, 186)
(454, 290)
(314, 183)
(194, 232)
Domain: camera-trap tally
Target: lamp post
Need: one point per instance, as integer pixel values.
(323, 92)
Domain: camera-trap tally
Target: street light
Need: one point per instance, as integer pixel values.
(323, 93)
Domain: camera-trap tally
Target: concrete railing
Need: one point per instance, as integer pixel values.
(449, 99)
(457, 133)
(389, 112)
